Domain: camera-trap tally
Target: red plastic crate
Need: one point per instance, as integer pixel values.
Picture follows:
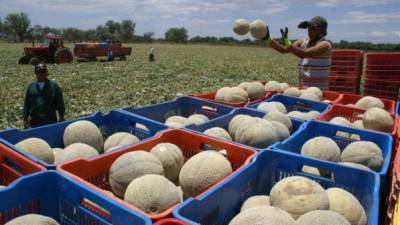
(390, 105)
(383, 74)
(342, 84)
(210, 96)
(170, 222)
(348, 61)
(350, 113)
(14, 165)
(381, 88)
(190, 143)
(332, 96)
(383, 58)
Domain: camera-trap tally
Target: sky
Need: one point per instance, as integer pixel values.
(352, 20)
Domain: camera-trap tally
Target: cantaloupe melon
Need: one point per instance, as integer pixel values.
(254, 201)
(222, 93)
(311, 170)
(256, 132)
(378, 119)
(241, 27)
(76, 151)
(279, 117)
(196, 119)
(316, 91)
(201, 171)
(363, 152)
(38, 148)
(255, 90)
(356, 165)
(152, 193)
(236, 95)
(309, 96)
(282, 132)
(85, 132)
(272, 107)
(273, 86)
(119, 139)
(370, 102)
(176, 121)
(130, 166)
(298, 195)
(218, 132)
(33, 219)
(284, 86)
(171, 158)
(244, 85)
(322, 148)
(343, 122)
(236, 122)
(322, 217)
(258, 29)
(292, 91)
(262, 215)
(344, 203)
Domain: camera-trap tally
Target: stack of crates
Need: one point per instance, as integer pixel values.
(382, 75)
(346, 71)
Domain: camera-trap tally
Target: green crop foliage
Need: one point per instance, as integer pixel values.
(103, 86)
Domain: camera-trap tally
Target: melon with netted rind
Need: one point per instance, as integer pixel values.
(38, 148)
(262, 215)
(256, 132)
(284, 86)
(241, 27)
(378, 119)
(76, 151)
(272, 107)
(322, 217)
(309, 96)
(255, 90)
(171, 158)
(176, 121)
(359, 125)
(363, 152)
(222, 93)
(298, 195)
(33, 219)
(347, 205)
(130, 166)
(119, 139)
(152, 193)
(254, 201)
(218, 132)
(236, 95)
(196, 119)
(311, 170)
(313, 114)
(292, 91)
(236, 122)
(201, 171)
(356, 165)
(273, 86)
(244, 85)
(282, 132)
(343, 122)
(258, 29)
(316, 91)
(83, 131)
(279, 117)
(370, 102)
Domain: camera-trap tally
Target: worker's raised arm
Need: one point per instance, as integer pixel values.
(320, 49)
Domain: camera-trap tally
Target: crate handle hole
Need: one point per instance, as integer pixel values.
(209, 108)
(93, 207)
(316, 172)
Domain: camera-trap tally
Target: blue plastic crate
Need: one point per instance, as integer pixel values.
(295, 104)
(108, 124)
(220, 205)
(317, 128)
(223, 121)
(181, 106)
(398, 108)
(51, 194)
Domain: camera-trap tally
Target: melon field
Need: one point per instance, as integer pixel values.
(102, 86)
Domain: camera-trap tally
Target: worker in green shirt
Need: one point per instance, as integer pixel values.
(43, 99)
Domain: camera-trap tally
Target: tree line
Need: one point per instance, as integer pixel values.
(16, 27)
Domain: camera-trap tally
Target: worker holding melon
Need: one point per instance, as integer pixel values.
(314, 52)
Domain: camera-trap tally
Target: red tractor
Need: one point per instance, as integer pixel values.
(51, 51)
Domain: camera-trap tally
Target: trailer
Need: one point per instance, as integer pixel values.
(90, 51)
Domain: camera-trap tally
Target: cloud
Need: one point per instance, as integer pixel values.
(376, 34)
(365, 17)
(358, 3)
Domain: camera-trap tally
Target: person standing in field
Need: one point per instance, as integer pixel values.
(151, 55)
(314, 52)
(110, 56)
(42, 100)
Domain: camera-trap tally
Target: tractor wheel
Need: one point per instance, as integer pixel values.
(63, 55)
(34, 61)
(23, 60)
(122, 58)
